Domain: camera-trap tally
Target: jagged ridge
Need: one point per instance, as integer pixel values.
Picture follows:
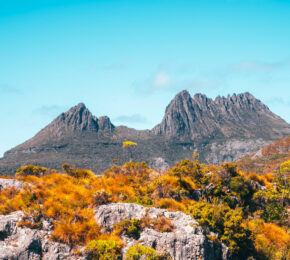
(200, 116)
(223, 129)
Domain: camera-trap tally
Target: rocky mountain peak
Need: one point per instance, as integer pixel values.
(105, 124)
(200, 116)
(176, 121)
(76, 119)
(179, 101)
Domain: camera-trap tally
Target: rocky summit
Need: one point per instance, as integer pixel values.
(223, 129)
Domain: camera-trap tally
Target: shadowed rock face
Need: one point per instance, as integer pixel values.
(223, 129)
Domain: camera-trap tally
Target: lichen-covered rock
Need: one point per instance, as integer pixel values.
(55, 251)
(17, 243)
(25, 244)
(8, 224)
(9, 183)
(188, 241)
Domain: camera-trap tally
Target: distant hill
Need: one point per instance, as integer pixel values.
(268, 158)
(223, 129)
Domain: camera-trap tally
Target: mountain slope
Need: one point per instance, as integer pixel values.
(223, 129)
(268, 158)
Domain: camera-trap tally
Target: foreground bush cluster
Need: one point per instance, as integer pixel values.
(247, 212)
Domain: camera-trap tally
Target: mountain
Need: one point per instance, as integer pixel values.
(223, 129)
(235, 116)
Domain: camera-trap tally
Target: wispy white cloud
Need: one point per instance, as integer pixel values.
(161, 79)
(176, 77)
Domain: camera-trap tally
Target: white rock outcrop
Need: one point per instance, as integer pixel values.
(188, 241)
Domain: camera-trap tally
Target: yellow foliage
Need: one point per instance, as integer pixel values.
(129, 143)
(69, 200)
(170, 204)
(270, 239)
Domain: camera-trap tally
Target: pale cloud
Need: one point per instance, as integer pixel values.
(176, 77)
(135, 118)
(161, 79)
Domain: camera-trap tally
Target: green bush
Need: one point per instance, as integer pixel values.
(242, 188)
(224, 221)
(273, 203)
(139, 252)
(128, 227)
(192, 169)
(31, 170)
(77, 173)
(103, 250)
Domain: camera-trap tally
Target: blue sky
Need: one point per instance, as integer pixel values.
(127, 59)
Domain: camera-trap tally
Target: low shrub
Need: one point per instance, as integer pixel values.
(77, 173)
(139, 252)
(128, 227)
(224, 221)
(170, 204)
(160, 223)
(101, 197)
(103, 250)
(271, 241)
(37, 171)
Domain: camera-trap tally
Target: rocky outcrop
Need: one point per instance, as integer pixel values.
(9, 183)
(8, 224)
(188, 241)
(158, 164)
(18, 243)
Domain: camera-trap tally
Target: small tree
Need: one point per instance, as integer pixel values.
(130, 147)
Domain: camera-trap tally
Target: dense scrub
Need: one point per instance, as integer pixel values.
(247, 212)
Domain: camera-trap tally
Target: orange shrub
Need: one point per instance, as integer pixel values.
(270, 239)
(170, 204)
